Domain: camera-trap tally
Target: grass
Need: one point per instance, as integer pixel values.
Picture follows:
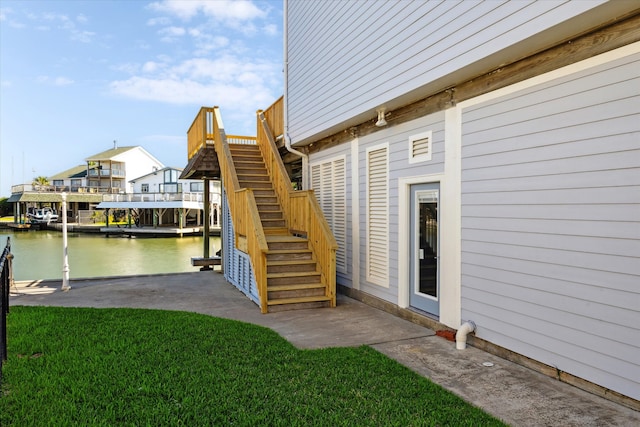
(83, 366)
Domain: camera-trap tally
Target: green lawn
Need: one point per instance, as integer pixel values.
(81, 366)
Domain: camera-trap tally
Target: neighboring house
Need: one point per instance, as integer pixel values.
(111, 170)
(161, 198)
(480, 161)
(74, 179)
(105, 172)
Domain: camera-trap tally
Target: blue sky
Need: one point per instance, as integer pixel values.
(77, 75)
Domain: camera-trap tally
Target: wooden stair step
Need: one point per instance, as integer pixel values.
(270, 215)
(298, 300)
(286, 241)
(251, 173)
(249, 157)
(301, 276)
(275, 231)
(244, 170)
(297, 286)
(292, 265)
(252, 177)
(236, 148)
(255, 184)
(288, 238)
(262, 184)
(289, 254)
(272, 223)
(248, 164)
(293, 261)
(265, 200)
(268, 207)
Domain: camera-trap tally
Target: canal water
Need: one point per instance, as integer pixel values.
(39, 254)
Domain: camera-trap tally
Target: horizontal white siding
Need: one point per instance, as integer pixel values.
(345, 58)
(551, 222)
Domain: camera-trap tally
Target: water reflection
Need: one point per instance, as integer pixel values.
(38, 254)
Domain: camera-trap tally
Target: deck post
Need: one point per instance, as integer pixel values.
(207, 222)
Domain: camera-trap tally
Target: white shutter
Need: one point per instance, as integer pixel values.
(328, 180)
(339, 214)
(377, 216)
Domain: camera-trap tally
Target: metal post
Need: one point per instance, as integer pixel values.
(65, 262)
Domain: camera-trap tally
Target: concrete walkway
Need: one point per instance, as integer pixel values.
(515, 394)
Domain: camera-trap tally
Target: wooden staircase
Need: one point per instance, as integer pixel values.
(293, 277)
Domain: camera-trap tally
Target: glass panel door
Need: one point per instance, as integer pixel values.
(425, 261)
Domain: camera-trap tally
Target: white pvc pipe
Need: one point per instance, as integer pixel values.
(461, 336)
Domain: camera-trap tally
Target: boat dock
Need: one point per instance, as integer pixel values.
(156, 231)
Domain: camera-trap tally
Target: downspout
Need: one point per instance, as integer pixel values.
(285, 107)
(461, 336)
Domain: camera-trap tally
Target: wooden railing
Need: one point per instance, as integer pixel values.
(300, 208)
(201, 131)
(274, 116)
(249, 234)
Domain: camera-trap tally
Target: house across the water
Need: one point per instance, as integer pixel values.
(124, 184)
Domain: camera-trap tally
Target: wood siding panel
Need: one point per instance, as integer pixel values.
(415, 48)
(551, 221)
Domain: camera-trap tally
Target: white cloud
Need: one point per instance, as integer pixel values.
(163, 20)
(220, 10)
(6, 14)
(238, 86)
(127, 68)
(173, 31)
(270, 29)
(56, 81)
(151, 67)
(82, 36)
(62, 81)
(48, 20)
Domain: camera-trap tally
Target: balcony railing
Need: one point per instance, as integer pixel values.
(35, 188)
(154, 197)
(116, 173)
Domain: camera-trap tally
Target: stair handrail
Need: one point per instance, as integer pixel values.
(300, 208)
(249, 234)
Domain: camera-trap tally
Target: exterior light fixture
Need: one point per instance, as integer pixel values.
(381, 121)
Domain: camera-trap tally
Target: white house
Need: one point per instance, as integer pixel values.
(162, 198)
(480, 161)
(111, 170)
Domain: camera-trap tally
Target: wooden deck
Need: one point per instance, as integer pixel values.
(19, 227)
(156, 231)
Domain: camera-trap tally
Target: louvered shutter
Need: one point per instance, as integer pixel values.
(377, 216)
(328, 180)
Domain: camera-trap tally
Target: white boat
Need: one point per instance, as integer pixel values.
(42, 215)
